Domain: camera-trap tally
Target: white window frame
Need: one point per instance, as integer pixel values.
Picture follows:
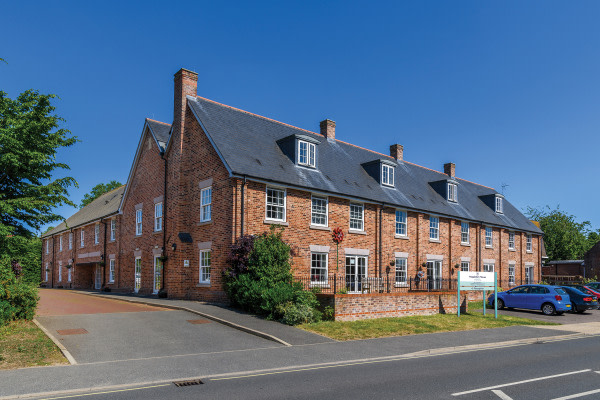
(69, 274)
(135, 264)
(309, 159)
(96, 233)
(318, 214)
(356, 221)
(489, 238)
(528, 278)
(387, 175)
(111, 270)
(70, 240)
(499, 205)
(324, 275)
(511, 274)
(465, 233)
(434, 228)
(511, 241)
(489, 267)
(60, 271)
(203, 266)
(529, 242)
(138, 222)
(401, 223)
(47, 246)
(46, 272)
(82, 238)
(275, 206)
(60, 243)
(113, 229)
(465, 266)
(452, 191)
(401, 268)
(158, 216)
(206, 204)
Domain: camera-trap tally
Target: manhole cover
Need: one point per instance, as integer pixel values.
(198, 321)
(78, 331)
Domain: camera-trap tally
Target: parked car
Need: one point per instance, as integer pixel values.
(549, 299)
(581, 301)
(595, 286)
(587, 290)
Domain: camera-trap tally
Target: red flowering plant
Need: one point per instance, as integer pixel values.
(338, 237)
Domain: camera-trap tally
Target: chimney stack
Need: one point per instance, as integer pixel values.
(449, 169)
(186, 84)
(328, 129)
(397, 151)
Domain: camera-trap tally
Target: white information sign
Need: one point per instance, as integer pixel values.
(476, 280)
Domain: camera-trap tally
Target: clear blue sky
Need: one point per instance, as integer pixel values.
(507, 90)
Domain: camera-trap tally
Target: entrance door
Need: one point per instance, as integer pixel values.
(528, 274)
(138, 275)
(157, 275)
(434, 274)
(98, 278)
(356, 270)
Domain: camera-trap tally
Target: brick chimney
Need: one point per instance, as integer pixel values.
(186, 84)
(397, 151)
(449, 169)
(328, 129)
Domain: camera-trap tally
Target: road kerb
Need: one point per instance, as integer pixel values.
(207, 316)
(62, 348)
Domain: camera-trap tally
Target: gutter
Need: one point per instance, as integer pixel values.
(70, 228)
(242, 206)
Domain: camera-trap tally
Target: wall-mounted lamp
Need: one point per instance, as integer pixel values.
(174, 246)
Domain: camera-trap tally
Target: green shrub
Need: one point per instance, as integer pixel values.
(328, 313)
(295, 314)
(18, 299)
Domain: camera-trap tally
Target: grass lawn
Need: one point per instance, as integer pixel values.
(23, 344)
(382, 327)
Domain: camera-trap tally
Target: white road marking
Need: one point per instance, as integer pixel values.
(520, 382)
(502, 395)
(576, 395)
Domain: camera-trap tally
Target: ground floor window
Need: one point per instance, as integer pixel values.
(111, 271)
(434, 274)
(529, 274)
(318, 268)
(69, 273)
(464, 266)
(46, 271)
(157, 274)
(511, 274)
(205, 266)
(356, 272)
(138, 274)
(60, 271)
(401, 270)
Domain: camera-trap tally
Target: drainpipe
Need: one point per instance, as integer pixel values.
(42, 261)
(242, 206)
(52, 261)
(479, 266)
(104, 256)
(164, 225)
(380, 237)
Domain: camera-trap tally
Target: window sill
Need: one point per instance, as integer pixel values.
(357, 232)
(435, 241)
(489, 247)
(465, 244)
(404, 237)
(320, 228)
(275, 222)
(529, 251)
(512, 249)
(110, 283)
(204, 223)
(203, 284)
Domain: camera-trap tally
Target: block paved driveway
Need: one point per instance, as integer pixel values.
(95, 329)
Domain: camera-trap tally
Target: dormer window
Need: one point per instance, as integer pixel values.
(387, 175)
(306, 154)
(499, 205)
(452, 191)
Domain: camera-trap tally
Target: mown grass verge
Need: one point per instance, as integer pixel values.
(383, 327)
(23, 344)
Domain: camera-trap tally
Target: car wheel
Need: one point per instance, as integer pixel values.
(500, 304)
(548, 309)
(574, 308)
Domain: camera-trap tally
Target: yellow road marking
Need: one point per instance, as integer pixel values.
(105, 392)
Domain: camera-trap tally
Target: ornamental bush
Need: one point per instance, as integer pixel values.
(259, 280)
(18, 299)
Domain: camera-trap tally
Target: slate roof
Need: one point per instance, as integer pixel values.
(105, 205)
(248, 145)
(160, 130)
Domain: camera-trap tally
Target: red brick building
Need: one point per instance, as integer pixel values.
(218, 172)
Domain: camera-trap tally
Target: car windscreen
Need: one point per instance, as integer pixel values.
(560, 290)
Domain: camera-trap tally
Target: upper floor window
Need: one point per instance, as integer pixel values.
(434, 228)
(275, 204)
(70, 240)
(318, 268)
(499, 205)
(529, 243)
(387, 175)
(511, 240)
(96, 233)
(47, 246)
(60, 243)
(138, 222)
(82, 238)
(464, 232)
(356, 216)
(113, 229)
(318, 211)
(206, 204)
(306, 153)
(401, 223)
(158, 217)
(488, 237)
(452, 192)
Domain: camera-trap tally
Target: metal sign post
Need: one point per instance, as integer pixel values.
(458, 294)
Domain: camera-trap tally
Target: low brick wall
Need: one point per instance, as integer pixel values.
(352, 307)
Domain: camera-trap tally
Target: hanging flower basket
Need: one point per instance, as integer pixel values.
(68, 266)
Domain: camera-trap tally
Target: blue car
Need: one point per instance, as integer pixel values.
(549, 299)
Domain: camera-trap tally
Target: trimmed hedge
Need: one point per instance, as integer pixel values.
(18, 299)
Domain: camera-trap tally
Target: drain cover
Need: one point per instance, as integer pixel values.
(78, 331)
(198, 321)
(188, 383)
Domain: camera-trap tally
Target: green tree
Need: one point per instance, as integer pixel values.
(564, 237)
(99, 190)
(30, 137)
